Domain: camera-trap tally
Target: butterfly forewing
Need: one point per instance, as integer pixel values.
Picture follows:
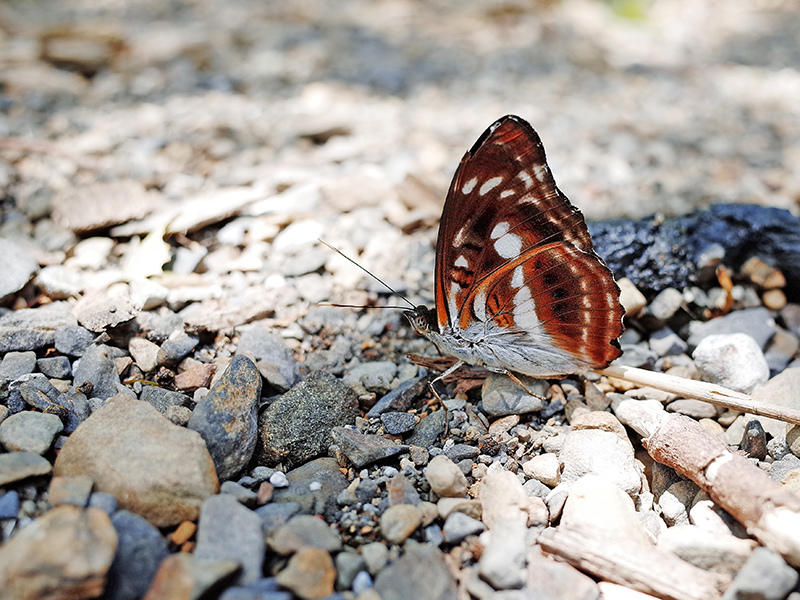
(514, 254)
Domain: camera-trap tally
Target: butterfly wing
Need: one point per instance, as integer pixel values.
(514, 254)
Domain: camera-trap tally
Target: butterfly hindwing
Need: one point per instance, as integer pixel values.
(515, 254)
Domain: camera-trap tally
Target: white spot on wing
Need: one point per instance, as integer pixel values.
(499, 230)
(507, 193)
(525, 310)
(540, 172)
(451, 301)
(479, 305)
(508, 246)
(469, 186)
(459, 237)
(461, 262)
(518, 278)
(489, 185)
(526, 178)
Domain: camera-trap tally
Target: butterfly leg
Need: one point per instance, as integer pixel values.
(516, 380)
(439, 398)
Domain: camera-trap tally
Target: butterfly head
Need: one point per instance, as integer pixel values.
(422, 319)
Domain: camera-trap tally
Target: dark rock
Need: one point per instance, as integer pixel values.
(754, 440)
(40, 393)
(9, 505)
(658, 253)
(162, 399)
(314, 486)
(459, 452)
(159, 325)
(173, 350)
(105, 501)
(140, 550)
(402, 397)
(398, 423)
(227, 417)
(77, 407)
(97, 367)
(297, 426)
(428, 429)
(73, 340)
(57, 367)
(363, 449)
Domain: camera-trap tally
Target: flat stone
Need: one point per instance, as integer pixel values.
(73, 339)
(32, 328)
(598, 452)
(154, 468)
(56, 367)
(297, 427)
(99, 310)
(314, 487)
(428, 429)
(70, 490)
(144, 353)
(35, 562)
(713, 551)
(229, 531)
(16, 364)
(364, 449)
(765, 576)
(502, 396)
(227, 418)
(375, 376)
(162, 399)
(303, 531)
(176, 348)
(398, 423)
(30, 431)
(16, 466)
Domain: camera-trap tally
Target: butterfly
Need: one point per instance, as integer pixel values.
(518, 285)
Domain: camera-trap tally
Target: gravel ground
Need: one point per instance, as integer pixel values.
(174, 403)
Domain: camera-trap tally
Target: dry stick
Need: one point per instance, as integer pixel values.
(632, 564)
(700, 390)
(769, 511)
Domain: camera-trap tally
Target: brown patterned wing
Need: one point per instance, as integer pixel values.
(503, 211)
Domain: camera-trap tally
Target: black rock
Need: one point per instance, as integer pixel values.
(658, 253)
(397, 423)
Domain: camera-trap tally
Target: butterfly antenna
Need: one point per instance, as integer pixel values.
(378, 279)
